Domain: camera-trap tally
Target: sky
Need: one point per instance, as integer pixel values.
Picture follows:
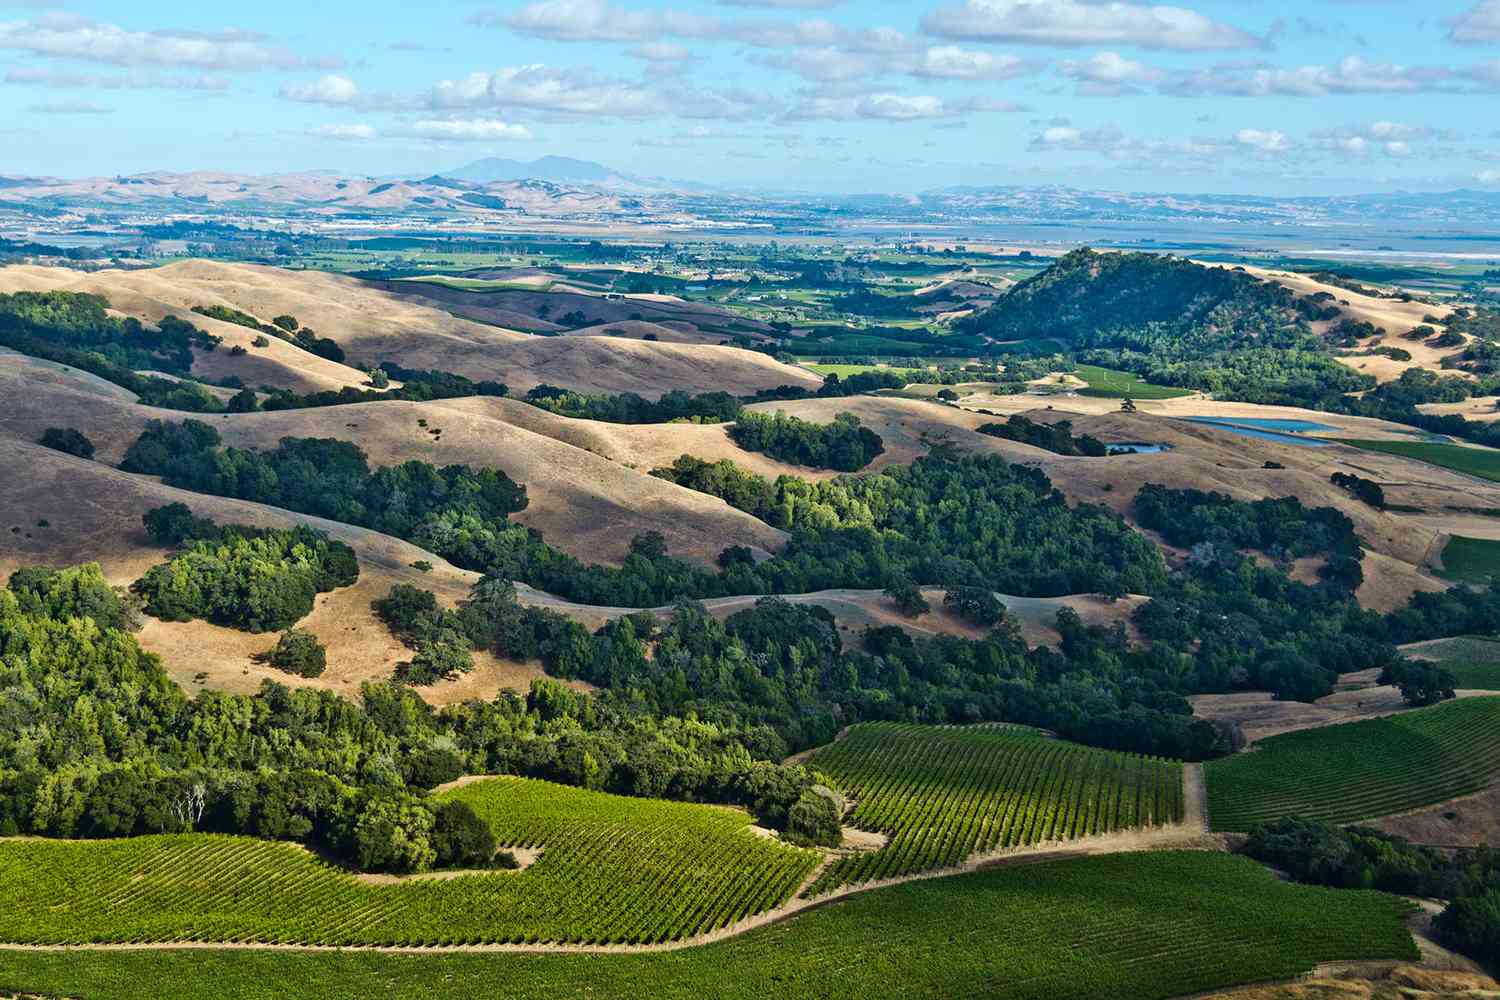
(834, 96)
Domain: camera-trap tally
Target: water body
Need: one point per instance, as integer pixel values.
(1268, 429)
(1136, 448)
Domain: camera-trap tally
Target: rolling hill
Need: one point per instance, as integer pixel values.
(372, 324)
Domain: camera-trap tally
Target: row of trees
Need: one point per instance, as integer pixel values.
(1056, 437)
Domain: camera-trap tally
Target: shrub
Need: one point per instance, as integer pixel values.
(815, 818)
(299, 652)
(977, 605)
(69, 440)
(907, 597)
(461, 838)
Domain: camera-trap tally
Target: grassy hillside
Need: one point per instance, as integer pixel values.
(1359, 770)
(1146, 926)
(1119, 385)
(1481, 462)
(1474, 660)
(942, 793)
(612, 869)
(1139, 299)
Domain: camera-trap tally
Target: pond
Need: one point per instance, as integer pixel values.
(1268, 429)
(1136, 448)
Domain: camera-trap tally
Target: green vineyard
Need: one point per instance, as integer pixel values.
(1359, 770)
(942, 794)
(1145, 926)
(612, 870)
(1473, 660)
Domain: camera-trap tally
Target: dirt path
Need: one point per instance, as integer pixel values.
(1194, 798)
(1181, 837)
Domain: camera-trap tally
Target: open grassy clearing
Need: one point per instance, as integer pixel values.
(1146, 926)
(612, 870)
(1117, 385)
(1470, 560)
(1473, 659)
(1359, 770)
(1481, 462)
(944, 793)
(844, 371)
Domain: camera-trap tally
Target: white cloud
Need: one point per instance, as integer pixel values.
(1351, 75)
(1394, 139)
(71, 108)
(881, 107)
(783, 4)
(826, 64)
(1074, 22)
(949, 62)
(470, 130)
(661, 52)
(1109, 74)
(544, 88)
(1265, 140)
(1478, 26)
(69, 37)
(353, 133)
(330, 89)
(1488, 177)
(37, 77)
(598, 21)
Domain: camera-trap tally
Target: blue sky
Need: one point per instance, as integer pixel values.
(1314, 97)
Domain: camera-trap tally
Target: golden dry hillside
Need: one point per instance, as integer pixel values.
(92, 513)
(1403, 547)
(584, 504)
(373, 324)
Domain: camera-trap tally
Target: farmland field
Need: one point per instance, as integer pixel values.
(1359, 770)
(942, 793)
(844, 371)
(1470, 560)
(1145, 926)
(612, 869)
(1117, 385)
(1481, 462)
(1474, 660)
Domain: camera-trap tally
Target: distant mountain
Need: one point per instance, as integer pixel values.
(557, 169)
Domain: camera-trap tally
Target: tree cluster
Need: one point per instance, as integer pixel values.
(842, 445)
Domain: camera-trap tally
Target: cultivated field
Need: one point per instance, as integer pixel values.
(943, 794)
(1473, 659)
(1473, 461)
(1107, 384)
(612, 870)
(1144, 926)
(1359, 770)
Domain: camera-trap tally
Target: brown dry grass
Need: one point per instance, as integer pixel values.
(585, 504)
(1357, 696)
(94, 514)
(1202, 457)
(375, 322)
(1403, 982)
(1468, 821)
(1393, 316)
